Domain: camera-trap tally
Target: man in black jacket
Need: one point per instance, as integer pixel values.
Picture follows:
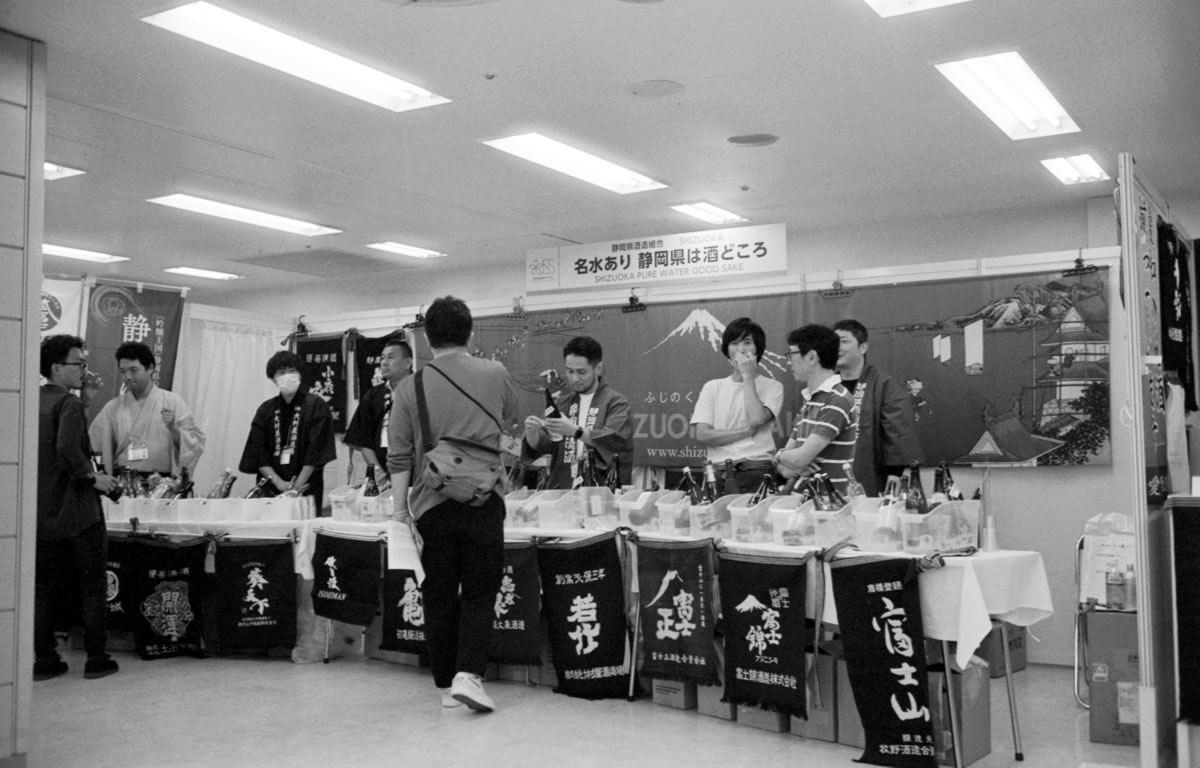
(71, 537)
(887, 434)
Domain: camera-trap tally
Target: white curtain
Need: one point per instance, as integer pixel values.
(225, 380)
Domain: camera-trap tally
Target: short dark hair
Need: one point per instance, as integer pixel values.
(854, 328)
(741, 328)
(281, 361)
(398, 342)
(824, 340)
(135, 350)
(585, 346)
(448, 323)
(56, 349)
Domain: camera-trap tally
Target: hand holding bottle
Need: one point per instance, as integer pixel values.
(104, 483)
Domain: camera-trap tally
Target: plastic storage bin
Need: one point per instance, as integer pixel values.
(792, 521)
(835, 527)
(559, 509)
(599, 508)
(711, 521)
(342, 503)
(674, 517)
(639, 509)
(955, 524)
(751, 524)
(519, 513)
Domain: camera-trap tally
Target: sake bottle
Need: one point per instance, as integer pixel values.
(822, 500)
(766, 487)
(259, 490)
(854, 489)
(731, 486)
(370, 487)
(915, 503)
(612, 480)
(939, 495)
(687, 484)
(708, 490)
(953, 492)
(887, 529)
(552, 412)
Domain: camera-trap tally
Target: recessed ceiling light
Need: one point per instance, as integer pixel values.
(76, 253)
(557, 156)
(887, 8)
(1077, 169)
(207, 274)
(245, 215)
(1005, 89)
(753, 140)
(53, 172)
(240, 36)
(709, 213)
(406, 250)
(656, 89)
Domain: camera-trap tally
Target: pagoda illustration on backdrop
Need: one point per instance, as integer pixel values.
(1068, 401)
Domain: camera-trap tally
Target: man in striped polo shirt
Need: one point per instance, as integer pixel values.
(824, 434)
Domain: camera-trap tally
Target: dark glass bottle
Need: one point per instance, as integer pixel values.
(370, 487)
(259, 490)
(552, 412)
(612, 480)
(916, 503)
(939, 495)
(708, 490)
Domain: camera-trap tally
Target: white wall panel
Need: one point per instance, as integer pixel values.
(13, 120)
(12, 219)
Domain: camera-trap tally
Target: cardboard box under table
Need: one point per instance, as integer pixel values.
(972, 697)
(822, 722)
(1113, 677)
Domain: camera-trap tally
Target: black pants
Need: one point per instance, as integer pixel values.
(81, 558)
(747, 475)
(463, 560)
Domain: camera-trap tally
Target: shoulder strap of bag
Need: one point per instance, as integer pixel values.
(423, 413)
(465, 394)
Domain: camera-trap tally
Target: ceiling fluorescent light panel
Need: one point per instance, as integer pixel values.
(406, 250)
(710, 213)
(886, 8)
(1077, 169)
(54, 172)
(1006, 89)
(244, 215)
(207, 274)
(81, 255)
(259, 43)
(563, 158)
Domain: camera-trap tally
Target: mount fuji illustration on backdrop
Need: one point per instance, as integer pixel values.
(700, 324)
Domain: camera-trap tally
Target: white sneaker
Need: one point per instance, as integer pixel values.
(468, 689)
(448, 701)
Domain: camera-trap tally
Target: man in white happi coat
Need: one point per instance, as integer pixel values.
(146, 428)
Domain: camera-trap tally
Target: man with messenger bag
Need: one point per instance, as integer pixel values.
(444, 438)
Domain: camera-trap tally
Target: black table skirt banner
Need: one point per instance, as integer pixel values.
(879, 611)
(403, 612)
(119, 559)
(346, 578)
(1185, 540)
(763, 621)
(255, 585)
(167, 589)
(516, 627)
(583, 590)
(676, 616)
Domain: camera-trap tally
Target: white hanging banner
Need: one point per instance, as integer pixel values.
(62, 307)
(710, 254)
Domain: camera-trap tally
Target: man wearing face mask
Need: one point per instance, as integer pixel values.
(595, 417)
(291, 436)
(146, 428)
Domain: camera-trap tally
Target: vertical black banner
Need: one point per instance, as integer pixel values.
(255, 584)
(1185, 524)
(516, 629)
(675, 600)
(403, 612)
(367, 353)
(119, 561)
(324, 373)
(879, 610)
(168, 589)
(346, 576)
(762, 618)
(585, 611)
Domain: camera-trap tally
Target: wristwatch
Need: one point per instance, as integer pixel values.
(579, 433)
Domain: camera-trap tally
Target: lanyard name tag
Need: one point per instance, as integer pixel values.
(138, 452)
(285, 456)
(383, 443)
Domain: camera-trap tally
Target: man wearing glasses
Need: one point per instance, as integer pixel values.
(71, 538)
(146, 428)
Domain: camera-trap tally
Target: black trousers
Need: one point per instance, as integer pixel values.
(81, 558)
(463, 558)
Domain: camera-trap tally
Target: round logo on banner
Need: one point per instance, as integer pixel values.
(114, 586)
(51, 311)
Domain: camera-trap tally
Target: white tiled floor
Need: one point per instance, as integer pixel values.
(240, 712)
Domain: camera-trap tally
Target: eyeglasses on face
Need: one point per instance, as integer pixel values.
(790, 353)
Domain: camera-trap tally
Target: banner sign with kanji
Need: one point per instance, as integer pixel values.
(118, 314)
(584, 595)
(516, 628)
(674, 581)
(708, 255)
(62, 306)
(167, 593)
(403, 612)
(324, 373)
(120, 573)
(346, 575)
(879, 610)
(762, 619)
(255, 585)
